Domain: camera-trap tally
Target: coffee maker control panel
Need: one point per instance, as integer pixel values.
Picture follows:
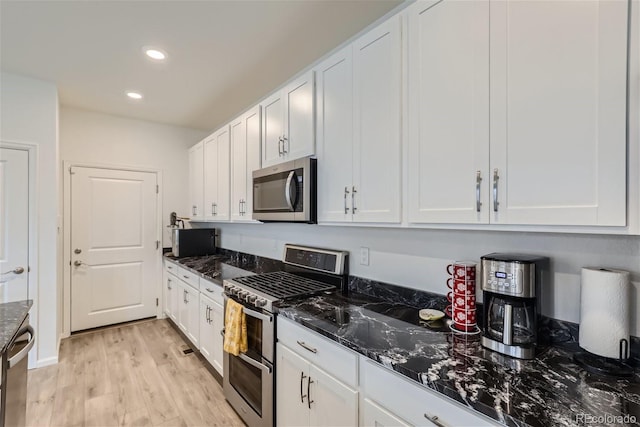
(509, 276)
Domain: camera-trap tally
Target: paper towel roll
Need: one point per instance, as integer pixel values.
(604, 311)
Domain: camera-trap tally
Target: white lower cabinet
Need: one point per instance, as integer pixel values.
(306, 394)
(398, 398)
(170, 296)
(210, 326)
(188, 312)
(374, 415)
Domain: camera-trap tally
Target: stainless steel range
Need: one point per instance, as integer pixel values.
(248, 378)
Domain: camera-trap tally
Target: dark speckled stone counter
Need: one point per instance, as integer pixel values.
(550, 390)
(12, 314)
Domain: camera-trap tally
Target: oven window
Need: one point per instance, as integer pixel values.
(254, 337)
(247, 380)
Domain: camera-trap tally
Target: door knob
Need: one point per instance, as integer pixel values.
(17, 270)
(77, 251)
(78, 263)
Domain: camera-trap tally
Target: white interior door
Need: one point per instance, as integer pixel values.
(114, 258)
(14, 224)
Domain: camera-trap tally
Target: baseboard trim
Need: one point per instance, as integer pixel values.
(41, 363)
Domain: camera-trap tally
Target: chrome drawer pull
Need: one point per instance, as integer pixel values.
(434, 420)
(306, 347)
(302, 396)
(346, 193)
(478, 181)
(495, 190)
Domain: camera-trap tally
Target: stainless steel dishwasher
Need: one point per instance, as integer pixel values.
(14, 378)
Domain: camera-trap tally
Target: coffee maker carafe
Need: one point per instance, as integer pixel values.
(511, 289)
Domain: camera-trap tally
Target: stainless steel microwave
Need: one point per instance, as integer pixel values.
(286, 192)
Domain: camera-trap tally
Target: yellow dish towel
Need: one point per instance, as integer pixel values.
(235, 328)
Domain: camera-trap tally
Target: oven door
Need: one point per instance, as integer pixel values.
(248, 378)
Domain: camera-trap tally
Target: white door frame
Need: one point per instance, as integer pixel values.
(66, 249)
(32, 271)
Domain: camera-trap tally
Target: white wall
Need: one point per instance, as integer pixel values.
(417, 258)
(88, 137)
(29, 115)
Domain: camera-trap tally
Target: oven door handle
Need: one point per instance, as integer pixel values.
(257, 315)
(254, 363)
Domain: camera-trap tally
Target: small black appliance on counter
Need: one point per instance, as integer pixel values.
(512, 292)
(193, 241)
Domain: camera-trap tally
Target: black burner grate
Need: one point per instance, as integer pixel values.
(283, 285)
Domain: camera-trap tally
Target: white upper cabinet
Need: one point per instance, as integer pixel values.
(358, 120)
(334, 86)
(216, 176)
(377, 67)
(448, 145)
(245, 158)
(288, 122)
(519, 122)
(558, 112)
(196, 181)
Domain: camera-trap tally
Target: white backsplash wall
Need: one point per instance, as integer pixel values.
(417, 258)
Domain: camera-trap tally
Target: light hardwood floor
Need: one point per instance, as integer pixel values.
(131, 375)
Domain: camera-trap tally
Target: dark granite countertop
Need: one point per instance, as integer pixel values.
(550, 390)
(12, 314)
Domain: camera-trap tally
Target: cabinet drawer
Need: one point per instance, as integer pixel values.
(190, 278)
(211, 290)
(320, 351)
(412, 401)
(171, 267)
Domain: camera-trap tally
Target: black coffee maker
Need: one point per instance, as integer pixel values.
(511, 289)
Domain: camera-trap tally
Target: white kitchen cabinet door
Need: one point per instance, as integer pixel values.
(448, 146)
(196, 181)
(210, 176)
(188, 312)
(272, 129)
(558, 112)
(245, 158)
(299, 135)
(376, 416)
(217, 324)
(210, 326)
(332, 402)
(171, 296)
(217, 176)
(377, 104)
(334, 96)
(291, 388)
(288, 122)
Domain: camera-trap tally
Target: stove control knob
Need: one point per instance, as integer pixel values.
(261, 302)
(252, 298)
(242, 294)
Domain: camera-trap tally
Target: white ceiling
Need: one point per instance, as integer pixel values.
(223, 55)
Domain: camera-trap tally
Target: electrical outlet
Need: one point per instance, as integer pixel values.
(364, 256)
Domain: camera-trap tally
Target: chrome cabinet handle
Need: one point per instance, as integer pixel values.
(239, 206)
(280, 145)
(194, 210)
(309, 401)
(434, 420)
(284, 138)
(495, 190)
(306, 347)
(244, 206)
(213, 209)
(287, 190)
(169, 284)
(18, 270)
(478, 181)
(186, 277)
(346, 193)
(302, 396)
(353, 199)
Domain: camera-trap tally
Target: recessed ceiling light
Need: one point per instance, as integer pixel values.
(134, 95)
(156, 54)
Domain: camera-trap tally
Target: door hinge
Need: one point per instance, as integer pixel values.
(157, 189)
(157, 303)
(157, 244)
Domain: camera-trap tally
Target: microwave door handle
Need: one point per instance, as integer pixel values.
(287, 190)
